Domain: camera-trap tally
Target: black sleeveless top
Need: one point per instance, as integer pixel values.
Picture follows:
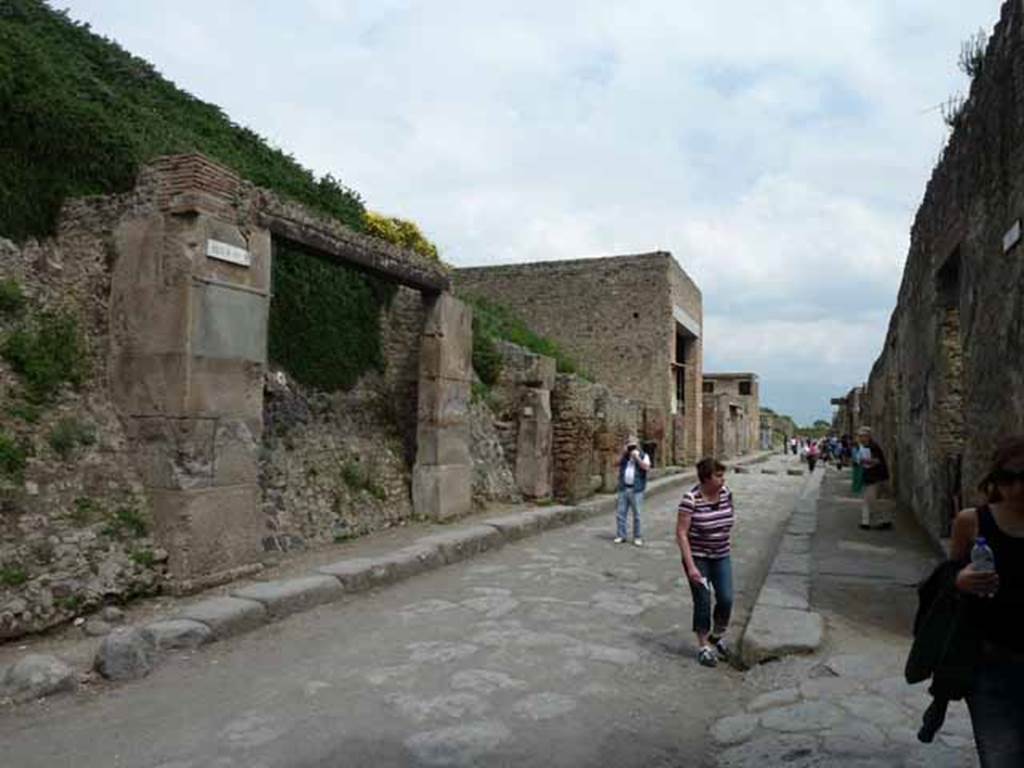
(999, 616)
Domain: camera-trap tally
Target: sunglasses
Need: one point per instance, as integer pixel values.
(1008, 476)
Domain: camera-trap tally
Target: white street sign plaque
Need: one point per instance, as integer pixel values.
(215, 249)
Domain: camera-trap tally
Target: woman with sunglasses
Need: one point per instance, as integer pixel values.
(996, 702)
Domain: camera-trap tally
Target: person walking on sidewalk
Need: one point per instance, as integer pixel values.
(633, 467)
(996, 702)
(703, 533)
(812, 455)
(875, 472)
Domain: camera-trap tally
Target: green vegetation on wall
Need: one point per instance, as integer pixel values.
(324, 319)
(492, 321)
(47, 351)
(80, 115)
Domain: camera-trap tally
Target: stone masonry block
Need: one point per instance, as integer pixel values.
(173, 453)
(236, 453)
(209, 530)
(283, 598)
(775, 632)
(226, 616)
(516, 526)
(465, 543)
(443, 402)
(443, 445)
(449, 317)
(255, 277)
(150, 385)
(442, 492)
(441, 359)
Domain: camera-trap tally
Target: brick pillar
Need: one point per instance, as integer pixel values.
(188, 317)
(443, 475)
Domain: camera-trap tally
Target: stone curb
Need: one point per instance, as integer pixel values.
(781, 622)
(250, 607)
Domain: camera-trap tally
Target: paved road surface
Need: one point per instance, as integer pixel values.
(562, 650)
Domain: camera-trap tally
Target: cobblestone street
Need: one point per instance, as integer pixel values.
(562, 650)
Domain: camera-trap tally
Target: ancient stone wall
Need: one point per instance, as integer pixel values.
(950, 379)
(590, 426)
(615, 317)
(332, 465)
(739, 411)
(76, 527)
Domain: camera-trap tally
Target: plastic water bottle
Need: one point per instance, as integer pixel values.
(981, 556)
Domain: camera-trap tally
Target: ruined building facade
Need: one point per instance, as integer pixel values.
(731, 418)
(633, 323)
(950, 379)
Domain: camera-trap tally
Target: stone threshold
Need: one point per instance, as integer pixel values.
(132, 652)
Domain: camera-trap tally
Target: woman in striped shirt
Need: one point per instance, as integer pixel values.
(703, 530)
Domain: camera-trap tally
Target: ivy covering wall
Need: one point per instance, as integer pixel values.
(80, 114)
(324, 327)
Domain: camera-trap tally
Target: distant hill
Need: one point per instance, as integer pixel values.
(79, 115)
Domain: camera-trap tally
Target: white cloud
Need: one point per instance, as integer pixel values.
(778, 149)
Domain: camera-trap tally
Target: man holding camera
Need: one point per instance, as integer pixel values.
(633, 466)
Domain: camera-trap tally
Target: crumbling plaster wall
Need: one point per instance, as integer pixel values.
(973, 199)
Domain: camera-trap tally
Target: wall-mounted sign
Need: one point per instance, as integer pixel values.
(1012, 237)
(215, 249)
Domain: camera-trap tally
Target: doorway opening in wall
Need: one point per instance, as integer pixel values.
(683, 361)
(949, 404)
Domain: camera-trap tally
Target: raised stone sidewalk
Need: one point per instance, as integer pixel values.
(131, 652)
(782, 621)
(844, 701)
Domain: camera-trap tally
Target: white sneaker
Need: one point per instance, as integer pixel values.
(638, 542)
(706, 657)
(618, 540)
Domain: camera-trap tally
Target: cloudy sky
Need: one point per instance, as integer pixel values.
(777, 149)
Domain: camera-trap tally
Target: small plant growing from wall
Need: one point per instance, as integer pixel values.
(85, 511)
(13, 456)
(126, 521)
(47, 351)
(11, 298)
(68, 435)
(13, 575)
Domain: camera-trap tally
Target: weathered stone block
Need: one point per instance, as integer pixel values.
(173, 453)
(236, 453)
(517, 526)
(125, 654)
(443, 402)
(283, 598)
(255, 277)
(226, 616)
(442, 492)
(775, 632)
(228, 323)
(226, 388)
(785, 591)
(461, 544)
(148, 385)
(36, 675)
(208, 530)
(415, 559)
(437, 445)
(176, 634)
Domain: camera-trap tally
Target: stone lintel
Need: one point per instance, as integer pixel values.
(354, 250)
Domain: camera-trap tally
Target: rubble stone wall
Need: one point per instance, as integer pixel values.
(950, 379)
(614, 316)
(75, 527)
(590, 425)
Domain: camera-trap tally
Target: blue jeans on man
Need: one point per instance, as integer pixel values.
(629, 499)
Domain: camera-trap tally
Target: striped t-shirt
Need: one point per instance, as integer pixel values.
(710, 523)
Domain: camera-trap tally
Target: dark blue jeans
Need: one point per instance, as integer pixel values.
(718, 571)
(997, 713)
